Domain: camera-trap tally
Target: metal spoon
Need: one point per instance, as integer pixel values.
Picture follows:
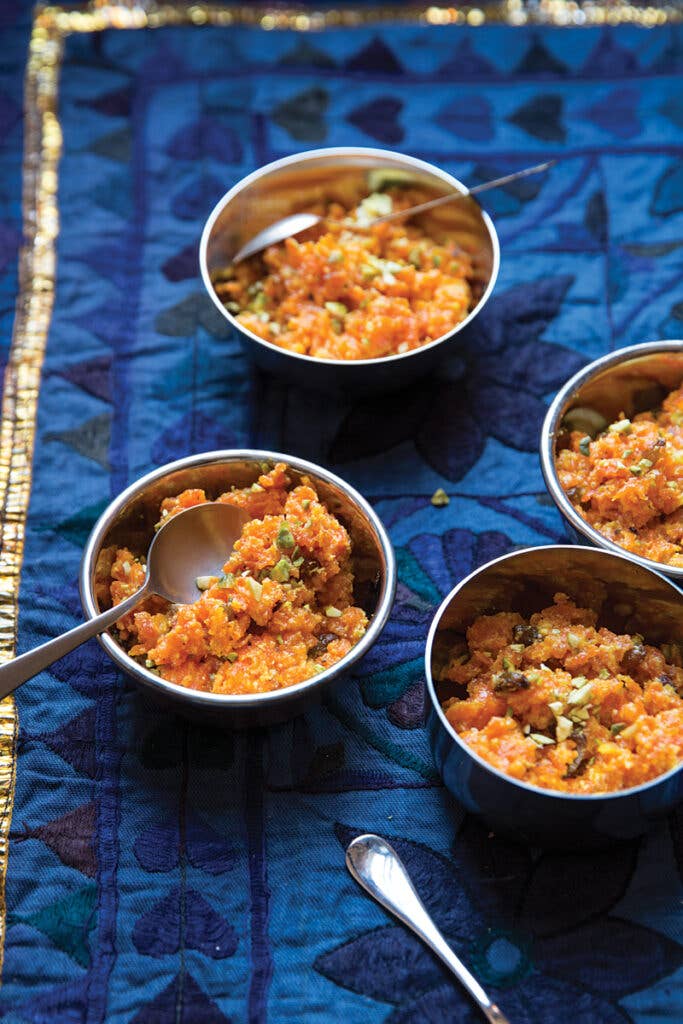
(190, 544)
(377, 867)
(298, 222)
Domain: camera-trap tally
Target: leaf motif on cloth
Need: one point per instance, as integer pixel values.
(469, 117)
(66, 922)
(376, 57)
(92, 376)
(541, 117)
(617, 113)
(183, 1002)
(668, 196)
(91, 439)
(303, 116)
(71, 837)
(75, 742)
(183, 265)
(184, 919)
(196, 199)
(183, 319)
(305, 55)
(539, 60)
(379, 119)
(115, 145)
(78, 526)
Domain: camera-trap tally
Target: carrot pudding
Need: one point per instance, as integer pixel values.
(280, 611)
(559, 702)
(628, 482)
(344, 291)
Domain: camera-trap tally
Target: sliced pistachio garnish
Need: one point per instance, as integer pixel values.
(284, 539)
(439, 498)
(332, 612)
(581, 695)
(255, 587)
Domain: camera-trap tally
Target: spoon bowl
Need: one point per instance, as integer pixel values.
(197, 537)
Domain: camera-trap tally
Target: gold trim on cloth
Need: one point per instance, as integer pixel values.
(98, 15)
(43, 143)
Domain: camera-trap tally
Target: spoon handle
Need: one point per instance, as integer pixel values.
(452, 196)
(377, 867)
(16, 672)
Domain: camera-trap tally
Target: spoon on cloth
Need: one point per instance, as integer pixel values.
(380, 871)
(191, 543)
(295, 223)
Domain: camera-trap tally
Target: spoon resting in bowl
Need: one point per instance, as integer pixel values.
(190, 544)
(295, 223)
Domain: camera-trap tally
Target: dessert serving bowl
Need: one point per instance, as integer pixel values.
(629, 598)
(129, 522)
(628, 381)
(296, 184)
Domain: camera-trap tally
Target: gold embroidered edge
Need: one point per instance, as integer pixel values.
(42, 146)
(98, 15)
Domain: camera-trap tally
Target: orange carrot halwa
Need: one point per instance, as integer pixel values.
(342, 291)
(281, 610)
(562, 703)
(628, 482)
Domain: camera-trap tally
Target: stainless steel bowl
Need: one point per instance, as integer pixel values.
(630, 380)
(292, 185)
(629, 598)
(130, 520)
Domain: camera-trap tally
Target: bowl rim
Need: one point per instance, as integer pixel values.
(549, 430)
(436, 705)
(343, 151)
(284, 694)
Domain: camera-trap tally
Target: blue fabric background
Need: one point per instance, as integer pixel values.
(161, 872)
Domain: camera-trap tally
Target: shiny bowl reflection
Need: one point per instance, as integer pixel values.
(294, 185)
(630, 380)
(130, 520)
(630, 598)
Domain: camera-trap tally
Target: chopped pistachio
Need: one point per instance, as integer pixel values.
(439, 498)
(335, 256)
(258, 304)
(436, 260)
(563, 728)
(574, 640)
(204, 582)
(232, 307)
(149, 663)
(508, 665)
(527, 729)
(415, 257)
(332, 612)
(126, 568)
(604, 673)
(232, 656)
(578, 681)
(256, 487)
(630, 730)
(581, 695)
(369, 271)
(617, 727)
(517, 647)
(540, 740)
(621, 427)
(265, 467)
(584, 445)
(641, 467)
(305, 504)
(336, 309)
(556, 706)
(255, 587)
(284, 539)
(280, 571)
(509, 712)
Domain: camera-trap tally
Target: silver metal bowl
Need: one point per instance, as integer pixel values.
(629, 599)
(295, 183)
(130, 520)
(630, 380)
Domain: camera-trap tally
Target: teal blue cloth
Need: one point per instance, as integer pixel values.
(162, 872)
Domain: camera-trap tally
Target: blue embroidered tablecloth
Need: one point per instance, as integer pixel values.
(162, 872)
